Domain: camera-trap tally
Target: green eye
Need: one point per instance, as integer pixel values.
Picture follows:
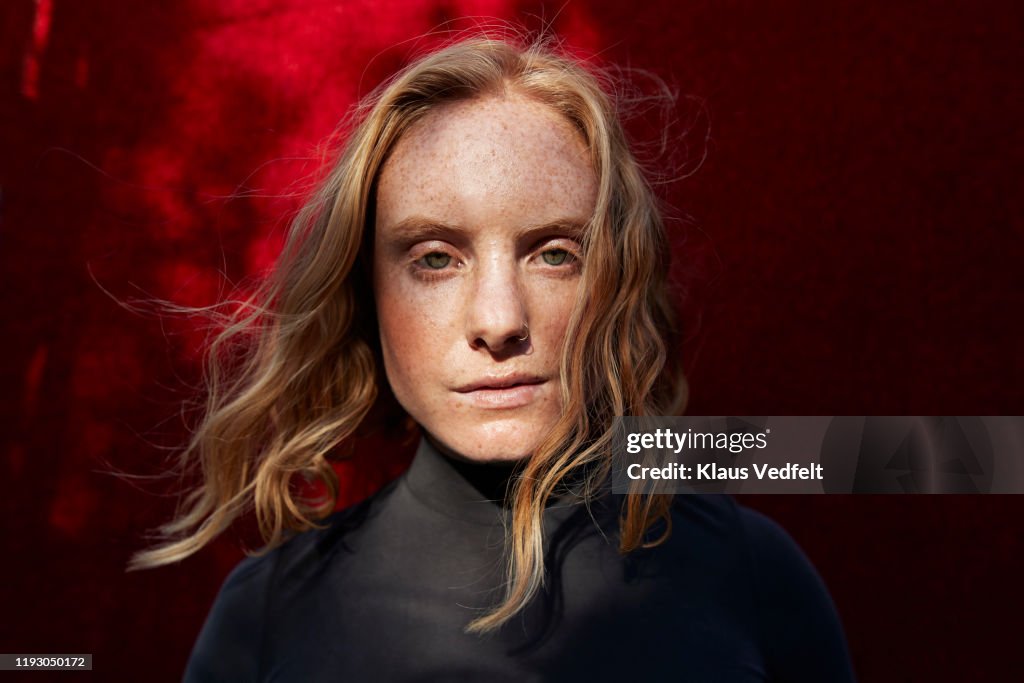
(555, 257)
(437, 260)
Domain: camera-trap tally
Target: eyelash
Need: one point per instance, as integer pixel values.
(421, 269)
(425, 272)
(569, 259)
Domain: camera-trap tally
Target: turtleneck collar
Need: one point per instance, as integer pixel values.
(464, 490)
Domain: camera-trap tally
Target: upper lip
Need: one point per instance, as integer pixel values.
(500, 382)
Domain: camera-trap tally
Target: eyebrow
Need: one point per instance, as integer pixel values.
(420, 227)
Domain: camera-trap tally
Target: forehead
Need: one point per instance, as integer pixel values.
(505, 158)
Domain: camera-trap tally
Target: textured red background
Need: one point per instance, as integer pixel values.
(851, 244)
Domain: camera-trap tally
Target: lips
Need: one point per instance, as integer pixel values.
(509, 391)
(500, 382)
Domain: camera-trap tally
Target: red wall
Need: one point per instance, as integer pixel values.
(848, 241)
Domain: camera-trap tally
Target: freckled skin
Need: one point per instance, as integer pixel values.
(488, 170)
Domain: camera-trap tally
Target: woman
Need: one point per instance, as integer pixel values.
(517, 262)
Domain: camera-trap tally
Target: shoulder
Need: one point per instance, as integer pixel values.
(785, 601)
(232, 637)
(229, 642)
(800, 629)
(768, 551)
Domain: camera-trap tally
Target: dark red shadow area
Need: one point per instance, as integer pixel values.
(846, 186)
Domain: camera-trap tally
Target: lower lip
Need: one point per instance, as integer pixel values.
(508, 397)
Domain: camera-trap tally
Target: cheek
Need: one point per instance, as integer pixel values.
(411, 331)
(553, 306)
(400, 335)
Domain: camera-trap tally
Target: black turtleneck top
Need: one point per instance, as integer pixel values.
(385, 591)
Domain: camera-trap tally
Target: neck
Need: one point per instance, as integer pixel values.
(491, 479)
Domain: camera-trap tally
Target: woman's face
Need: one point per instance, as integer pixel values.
(476, 269)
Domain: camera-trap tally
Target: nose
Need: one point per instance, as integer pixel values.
(496, 318)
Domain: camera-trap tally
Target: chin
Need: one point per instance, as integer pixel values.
(501, 440)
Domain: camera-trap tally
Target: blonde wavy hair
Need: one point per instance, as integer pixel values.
(296, 370)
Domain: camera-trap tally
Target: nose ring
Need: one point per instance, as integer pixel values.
(526, 335)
